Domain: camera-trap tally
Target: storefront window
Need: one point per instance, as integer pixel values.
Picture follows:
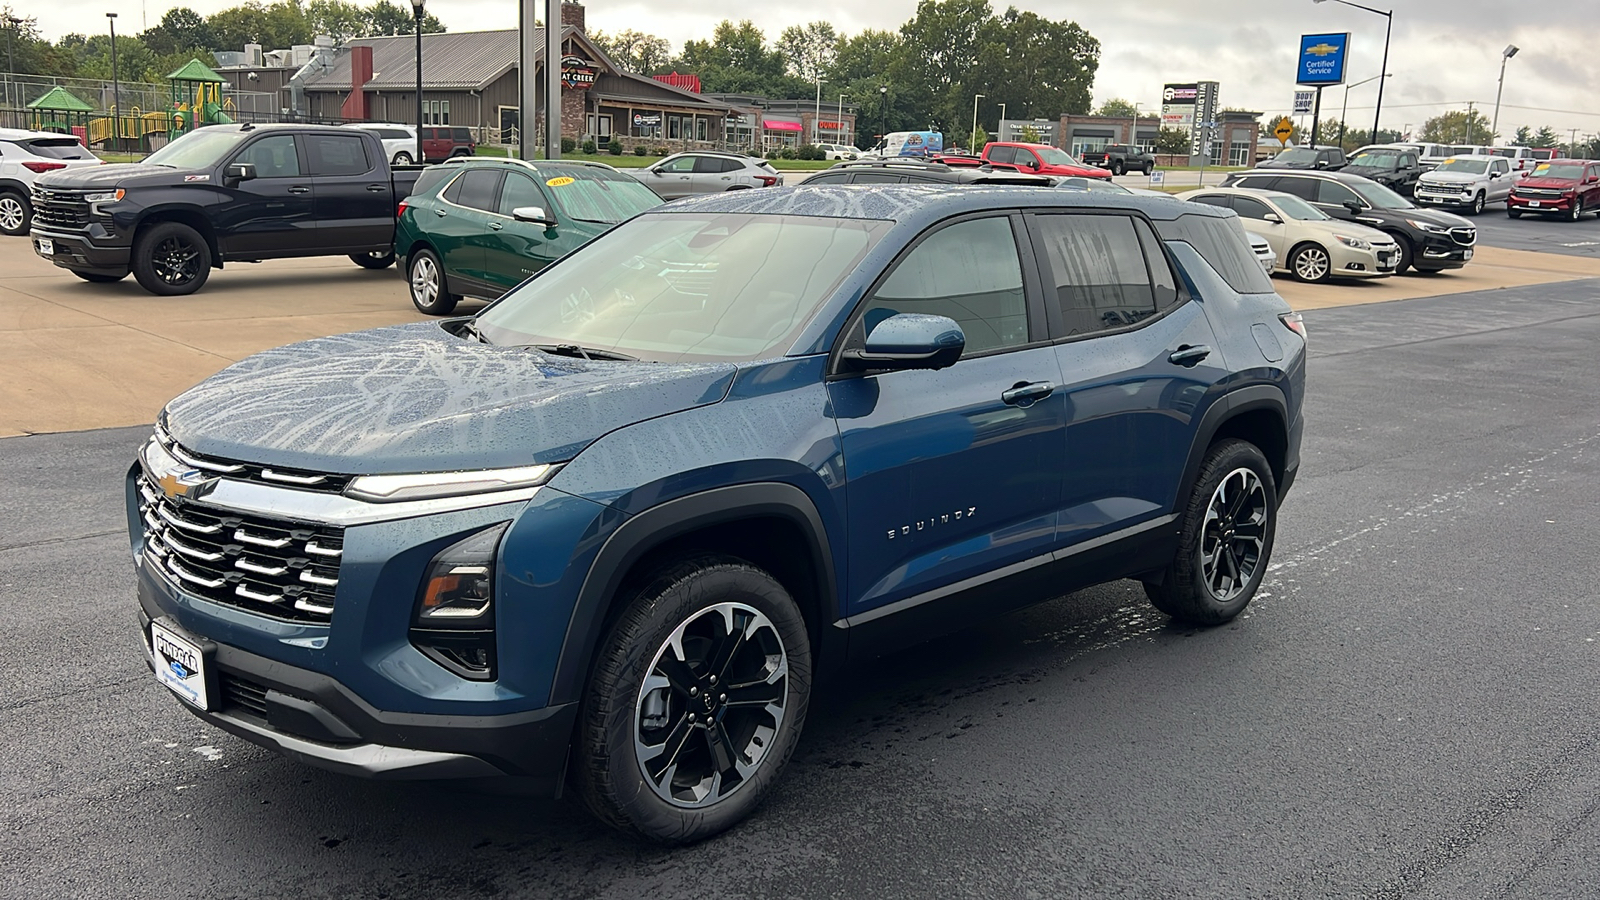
(702, 128)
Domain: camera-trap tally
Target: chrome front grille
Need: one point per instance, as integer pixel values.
(239, 471)
(1466, 237)
(286, 570)
(1538, 192)
(1453, 190)
(57, 209)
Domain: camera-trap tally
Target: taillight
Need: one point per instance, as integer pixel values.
(768, 180)
(1295, 323)
(42, 167)
(400, 210)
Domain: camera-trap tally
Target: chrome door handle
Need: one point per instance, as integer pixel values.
(1188, 356)
(495, 226)
(377, 188)
(1024, 394)
(440, 213)
(299, 189)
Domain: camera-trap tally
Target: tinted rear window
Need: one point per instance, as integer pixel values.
(430, 179)
(464, 135)
(57, 148)
(1222, 242)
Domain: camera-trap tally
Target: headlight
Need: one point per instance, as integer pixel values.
(105, 196)
(1429, 227)
(1353, 243)
(454, 620)
(428, 485)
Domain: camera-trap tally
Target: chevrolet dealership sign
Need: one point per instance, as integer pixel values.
(1322, 59)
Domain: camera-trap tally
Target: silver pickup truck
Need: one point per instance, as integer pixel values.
(1468, 182)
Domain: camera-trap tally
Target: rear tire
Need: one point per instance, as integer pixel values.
(373, 260)
(710, 663)
(426, 283)
(170, 259)
(1148, 168)
(16, 213)
(401, 159)
(1118, 168)
(1226, 540)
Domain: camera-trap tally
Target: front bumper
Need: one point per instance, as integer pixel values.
(1539, 204)
(313, 718)
(80, 252)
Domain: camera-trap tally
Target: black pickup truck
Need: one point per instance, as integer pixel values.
(1120, 159)
(225, 193)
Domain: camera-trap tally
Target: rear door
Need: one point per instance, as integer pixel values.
(1499, 179)
(514, 250)
(460, 229)
(1139, 365)
(354, 200)
(713, 174)
(271, 214)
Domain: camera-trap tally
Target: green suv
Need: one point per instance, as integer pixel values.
(479, 227)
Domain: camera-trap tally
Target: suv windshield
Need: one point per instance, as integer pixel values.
(197, 150)
(1547, 170)
(686, 287)
(1298, 209)
(1466, 166)
(1387, 159)
(1378, 196)
(1296, 156)
(597, 195)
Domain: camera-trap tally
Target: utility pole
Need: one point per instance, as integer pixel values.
(1469, 120)
(116, 110)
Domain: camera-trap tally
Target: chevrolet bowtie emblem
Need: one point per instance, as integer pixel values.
(188, 485)
(1322, 49)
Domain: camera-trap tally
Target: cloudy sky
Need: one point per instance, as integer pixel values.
(1444, 52)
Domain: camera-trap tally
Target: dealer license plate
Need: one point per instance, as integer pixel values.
(1533, 203)
(46, 247)
(179, 665)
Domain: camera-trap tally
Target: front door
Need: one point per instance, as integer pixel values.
(272, 213)
(672, 178)
(354, 199)
(514, 250)
(953, 475)
(1138, 368)
(1253, 215)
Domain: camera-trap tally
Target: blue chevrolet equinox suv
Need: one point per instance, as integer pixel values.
(608, 532)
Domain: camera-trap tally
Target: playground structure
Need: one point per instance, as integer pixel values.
(196, 101)
(60, 111)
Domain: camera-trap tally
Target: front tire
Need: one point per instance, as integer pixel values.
(429, 291)
(1311, 263)
(1407, 255)
(1148, 168)
(1576, 210)
(16, 213)
(1513, 212)
(696, 703)
(170, 259)
(1226, 539)
(373, 260)
(1478, 203)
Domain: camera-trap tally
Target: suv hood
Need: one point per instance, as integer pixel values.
(415, 398)
(1549, 184)
(82, 178)
(1373, 172)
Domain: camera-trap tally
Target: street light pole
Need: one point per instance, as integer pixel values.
(1346, 106)
(838, 127)
(1506, 54)
(883, 111)
(1000, 127)
(416, 12)
(972, 139)
(1383, 71)
(116, 109)
(816, 114)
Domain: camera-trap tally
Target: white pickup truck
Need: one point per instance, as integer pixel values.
(1466, 182)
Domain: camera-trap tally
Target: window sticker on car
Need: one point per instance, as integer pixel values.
(561, 181)
(197, 178)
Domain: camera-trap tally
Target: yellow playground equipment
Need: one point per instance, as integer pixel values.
(196, 101)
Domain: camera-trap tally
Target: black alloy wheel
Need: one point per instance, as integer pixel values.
(373, 260)
(16, 214)
(171, 259)
(1228, 527)
(696, 702)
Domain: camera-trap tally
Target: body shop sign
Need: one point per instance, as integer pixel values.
(578, 73)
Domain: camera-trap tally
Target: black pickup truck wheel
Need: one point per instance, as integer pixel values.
(171, 259)
(1117, 168)
(373, 260)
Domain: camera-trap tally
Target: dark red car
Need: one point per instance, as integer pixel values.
(1567, 187)
(1040, 159)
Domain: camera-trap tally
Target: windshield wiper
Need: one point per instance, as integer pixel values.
(577, 352)
(470, 327)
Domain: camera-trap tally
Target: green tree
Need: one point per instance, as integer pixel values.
(1038, 67)
(337, 19)
(937, 68)
(1457, 127)
(635, 51)
(1523, 137)
(181, 29)
(277, 26)
(1174, 141)
(1328, 133)
(736, 60)
(384, 18)
(809, 50)
(1119, 108)
(1545, 137)
(860, 69)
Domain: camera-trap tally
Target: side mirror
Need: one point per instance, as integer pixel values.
(1322, 164)
(1354, 206)
(912, 341)
(1272, 217)
(239, 172)
(534, 214)
(1494, 175)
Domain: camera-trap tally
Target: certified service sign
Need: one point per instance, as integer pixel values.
(1322, 59)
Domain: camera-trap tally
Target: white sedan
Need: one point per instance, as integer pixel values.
(1310, 244)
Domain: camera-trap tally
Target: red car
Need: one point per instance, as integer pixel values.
(1567, 187)
(1040, 159)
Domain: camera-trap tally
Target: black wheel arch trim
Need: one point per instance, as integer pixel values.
(1230, 406)
(645, 531)
(8, 186)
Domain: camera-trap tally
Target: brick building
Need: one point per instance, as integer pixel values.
(1235, 143)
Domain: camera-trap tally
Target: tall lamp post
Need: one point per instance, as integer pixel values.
(416, 13)
(972, 140)
(11, 66)
(1383, 71)
(1346, 106)
(1000, 125)
(883, 111)
(1507, 53)
(116, 88)
(838, 127)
